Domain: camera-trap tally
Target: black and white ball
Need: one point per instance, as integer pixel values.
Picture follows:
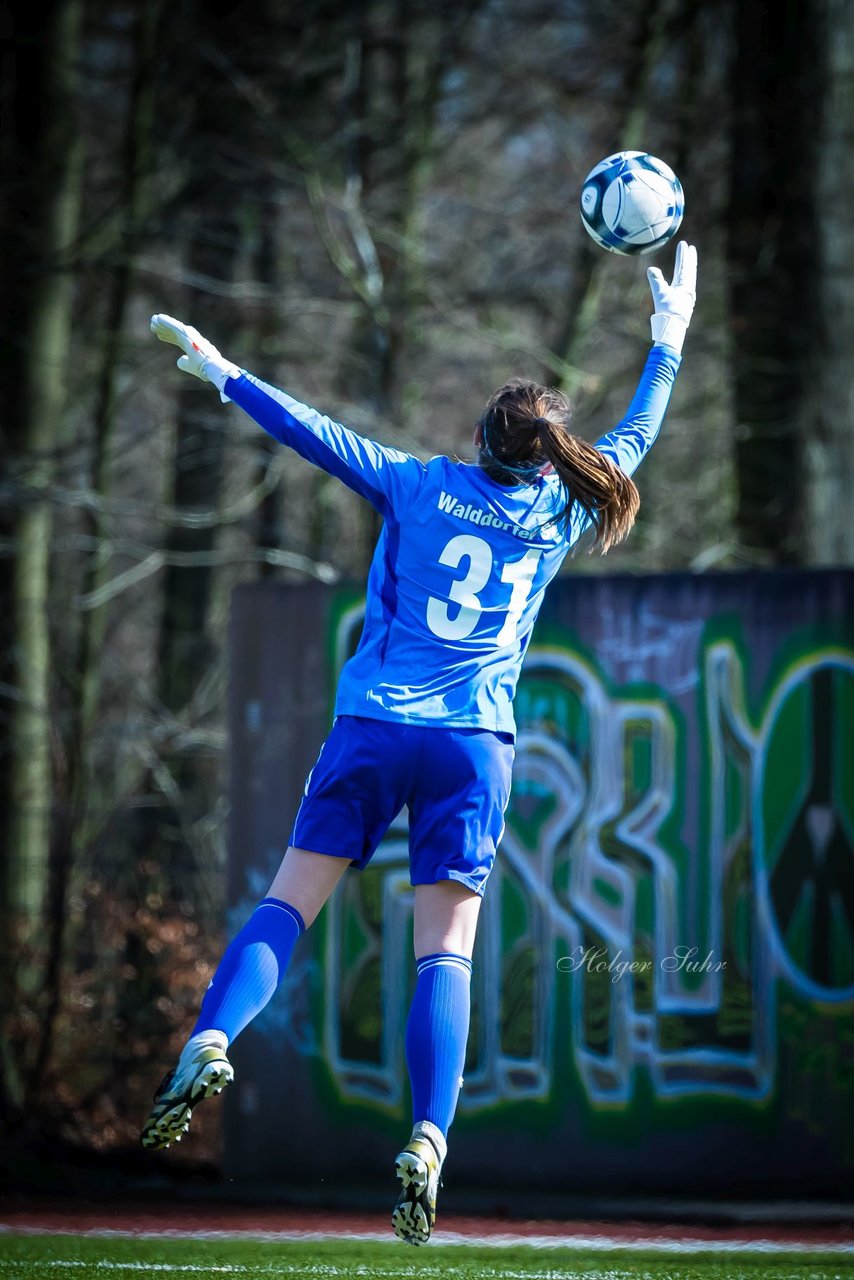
(632, 203)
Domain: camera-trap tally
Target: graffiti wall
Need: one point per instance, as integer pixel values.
(664, 979)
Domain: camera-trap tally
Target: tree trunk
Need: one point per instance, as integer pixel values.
(81, 790)
(269, 530)
(43, 152)
(777, 89)
(829, 418)
(137, 163)
(52, 202)
(186, 648)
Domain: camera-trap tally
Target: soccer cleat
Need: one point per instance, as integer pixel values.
(205, 1072)
(418, 1167)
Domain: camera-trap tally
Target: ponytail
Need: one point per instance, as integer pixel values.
(524, 427)
(604, 492)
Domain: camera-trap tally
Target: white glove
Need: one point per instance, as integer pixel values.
(674, 302)
(200, 357)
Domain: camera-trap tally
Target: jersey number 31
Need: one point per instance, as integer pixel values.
(455, 623)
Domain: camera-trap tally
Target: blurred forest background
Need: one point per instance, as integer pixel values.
(374, 204)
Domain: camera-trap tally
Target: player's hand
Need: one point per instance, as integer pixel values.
(673, 303)
(200, 357)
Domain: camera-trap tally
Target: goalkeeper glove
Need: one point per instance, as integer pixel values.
(200, 357)
(674, 302)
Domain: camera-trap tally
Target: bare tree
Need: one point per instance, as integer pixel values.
(772, 231)
(43, 151)
(829, 409)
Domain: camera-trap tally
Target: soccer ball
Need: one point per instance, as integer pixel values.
(632, 203)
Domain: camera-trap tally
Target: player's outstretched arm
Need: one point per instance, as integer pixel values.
(387, 477)
(200, 357)
(674, 302)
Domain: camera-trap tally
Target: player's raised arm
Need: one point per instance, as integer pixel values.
(388, 478)
(673, 306)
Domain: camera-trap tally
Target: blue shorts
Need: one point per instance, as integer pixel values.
(455, 782)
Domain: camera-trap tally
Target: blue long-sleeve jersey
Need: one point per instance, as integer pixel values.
(462, 562)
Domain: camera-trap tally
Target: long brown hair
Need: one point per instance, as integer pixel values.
(524, 427)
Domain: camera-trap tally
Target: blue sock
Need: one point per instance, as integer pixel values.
(436, 1036)
(251, 969)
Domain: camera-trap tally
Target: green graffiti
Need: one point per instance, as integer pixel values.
(673, 901)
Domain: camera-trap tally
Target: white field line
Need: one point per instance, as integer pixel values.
(591, 1243)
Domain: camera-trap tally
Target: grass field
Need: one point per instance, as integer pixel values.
(70, 1257)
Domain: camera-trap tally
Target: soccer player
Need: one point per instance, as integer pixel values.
(424, 714)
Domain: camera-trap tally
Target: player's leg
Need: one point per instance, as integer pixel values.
(456, 823)
(446, 916)
(445, 923)
(255, 962)
(248, 975)
(351, 796)
(445, 920)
